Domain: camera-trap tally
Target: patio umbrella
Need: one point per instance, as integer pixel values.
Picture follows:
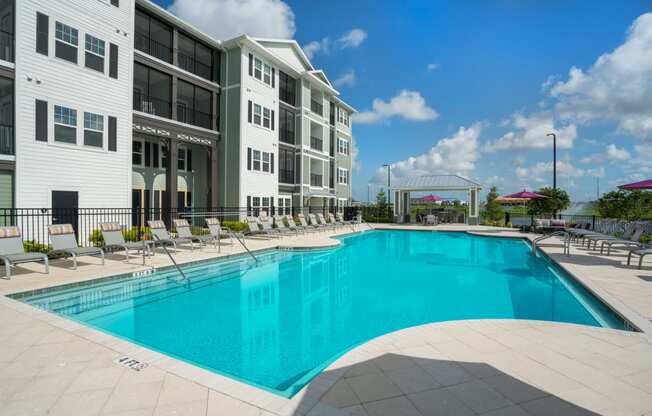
(430, 198)
(637, 185)
(509, 200)
(526, 195)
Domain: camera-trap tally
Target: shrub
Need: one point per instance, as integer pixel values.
(129, 234)
(235, 225)
(32, 246)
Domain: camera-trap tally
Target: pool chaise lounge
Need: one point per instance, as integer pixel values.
(254, 230)
(631, 242)
(162, 236)
(641, 252)
(304, 228)
(312, 226)
(113, 238)
(64, 241)
(279, 221)
(183, 231)
(12, 251)
(266, 223)
(215, 229)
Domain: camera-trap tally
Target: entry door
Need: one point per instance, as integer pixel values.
(136, 207)
(65, 205)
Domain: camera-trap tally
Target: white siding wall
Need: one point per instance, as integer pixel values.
(252, 182)
(102, 178)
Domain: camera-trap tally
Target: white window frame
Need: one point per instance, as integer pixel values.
(342, 146)
(258, 69)
(266, 162)
(60, 34)
(258, 115)
(182, 155)
(69, 119)
(341, 203)
(256, 157)
(267, 74)
(342, 176)
(95, 43)
(258, 203)
(267, 118)
(284, 205)
(141, 153)
(92, 120)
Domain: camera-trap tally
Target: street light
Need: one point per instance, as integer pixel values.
(554, 159)
(389, 172)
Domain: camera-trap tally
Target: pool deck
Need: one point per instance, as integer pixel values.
(49, 365)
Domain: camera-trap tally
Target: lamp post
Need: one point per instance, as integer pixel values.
(389, 172)
(554, 159)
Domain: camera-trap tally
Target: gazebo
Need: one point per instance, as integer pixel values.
(435, 183)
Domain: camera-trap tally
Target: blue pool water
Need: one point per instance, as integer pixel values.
(277, 323)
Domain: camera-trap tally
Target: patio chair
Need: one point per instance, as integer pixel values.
(632, 242)
(595, 238)
(162, 236)
(113, 238)
(254, 230)
(322, 220)
(216, 230)
(312, 226)
(63, 240)
(266, 223)
(305, 228)
(12, 251)
(340, 218)
(184, 231)
(313, 221)
(640, 253)
(280, 225)
(335, 221)
(431, 220)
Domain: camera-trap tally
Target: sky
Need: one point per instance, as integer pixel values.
(473, 87)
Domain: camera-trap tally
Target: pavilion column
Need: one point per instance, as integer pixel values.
(213, 179)
(171, 180)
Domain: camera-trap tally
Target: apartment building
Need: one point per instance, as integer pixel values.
(118, 103)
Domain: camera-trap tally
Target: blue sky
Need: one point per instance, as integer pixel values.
(476, 85)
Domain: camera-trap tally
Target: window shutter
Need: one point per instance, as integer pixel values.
(249, 105)
(272, 119)
(42, 33)
(189, 160)
(41, 121)
(116, 3)
(248, 158)
(273, 76)
(113, 61)
(148, 154)
(248, 203)
(155, 155)
(251, 64)
(113, 134)
(271, 161)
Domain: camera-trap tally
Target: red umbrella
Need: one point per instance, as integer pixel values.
(430, 198)
(526, 195)
(638, 185)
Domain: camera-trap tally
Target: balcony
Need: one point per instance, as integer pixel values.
(6, 140)
(194, 117)
(316, 143)
(198, 68)
(6, 46)
(316, 107)
(152, 105)
(286, 176)
(316, 179)
(151, 47)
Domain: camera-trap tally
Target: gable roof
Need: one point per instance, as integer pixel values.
(293, 45)
(322, 76)
(434, 182)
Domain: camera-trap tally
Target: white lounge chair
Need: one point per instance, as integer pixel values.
(113, 238)
(184, 231)
(12, 251)
(162, 236)
(63, 240)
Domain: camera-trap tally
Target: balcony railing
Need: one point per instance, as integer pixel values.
(286, 176)
(6, 46)
(286, 135)
(151, 105)
(316, 107)
(190, 64)
(6, 139)
(316, 143)
(152, 47)
(194, 117)
(316, 179)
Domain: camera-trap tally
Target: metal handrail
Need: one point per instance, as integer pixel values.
(553, 234)
(172, 258)
(237, 237)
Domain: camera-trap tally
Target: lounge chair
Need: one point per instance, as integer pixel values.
(113, 238)
(596, 238)
(184, 231)
(280, 225)
(254, 230)
(12, 251)
(216, 230)
(63, 240)
(322, 221)
(301, 227)
(312, 226)
(266, 222)
(431, 220)
(632, 242)
(162, 237)
(333, 220)
(340, 218)
(642, 252)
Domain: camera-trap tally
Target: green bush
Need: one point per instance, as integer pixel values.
(646, 238)
(129, 234)
(199, 231)
(32, 246)
(236, 226)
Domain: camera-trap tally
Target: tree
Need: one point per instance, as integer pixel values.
(557, 200)
(381, 199)
(493, 211)
(626, 205)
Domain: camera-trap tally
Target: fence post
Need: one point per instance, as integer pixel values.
(506, 217)
(593, 222)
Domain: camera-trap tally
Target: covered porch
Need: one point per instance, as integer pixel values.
(402, 189)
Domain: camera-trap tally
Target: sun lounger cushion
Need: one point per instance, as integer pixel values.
(212, 221)
(7, 232)
(156, 225)
(60, 229)
(181, 223)
(110, 226)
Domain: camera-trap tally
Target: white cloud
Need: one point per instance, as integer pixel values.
(313, 48)
(541, 172)
(611, 153)
(356, 165)
(454, 155)
(225, 19)
(352, 38)
(618, 86)
(432, 67)
(347, 79)
(530, 133)
(409, 105)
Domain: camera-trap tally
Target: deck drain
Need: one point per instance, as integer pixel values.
(131, 363)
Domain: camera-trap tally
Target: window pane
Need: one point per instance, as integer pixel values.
(93, 138)
(65, 134)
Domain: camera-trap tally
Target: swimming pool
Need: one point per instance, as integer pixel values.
(278, 323)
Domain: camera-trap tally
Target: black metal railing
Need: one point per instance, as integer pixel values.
(7, 140)
(152, 105)
(144, 43)
(6, 46)
(316, 107)
(316, 143)
(194, 117)
(286, 176)
(191, 64)
(316, 179)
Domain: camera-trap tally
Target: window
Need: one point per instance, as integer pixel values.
(137, 153)
(265, 162)
(267, 74)
(94, 53)
(263, 72)
(260, 204)
(153, 36)
(257, 159)
(260, 161)
(262, 116)
(341, 203)
(93, 129)
(195, 57)
(286, 126)
(284, 206)
(342, 176)
(286, 166)
(66, 42)
(152, 91)
(65, 124)
(258, 114)
(286, 88)
(267, 116)
(194, 105)
(342, 146)
(258, 69)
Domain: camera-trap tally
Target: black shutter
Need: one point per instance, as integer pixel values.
(188, 160)
(249, 105)
(41, 121)
(116, 3)
(113, 134)
(273, 76)
(272, 119)
(251, 64)
(155, 155)
(148, 154)
(42, 33)
(113, 61)
(248, 204)
(271, 159)
(248, 158)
